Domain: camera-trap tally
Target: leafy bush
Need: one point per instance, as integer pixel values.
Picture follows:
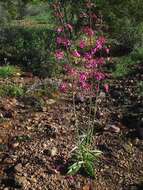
(29, 46)
(123, 66)
(137, 54)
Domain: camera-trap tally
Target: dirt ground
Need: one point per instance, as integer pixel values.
(36, 140)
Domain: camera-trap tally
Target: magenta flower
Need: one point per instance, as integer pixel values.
(69, 26)
(99, 76)
(59, 40)
(63, 41)
(106, 87)
(82, 44)
(63, 87)
(100, 61)
(94, 50)
(83, 76)
(75, 53)
(100, 42)
(87, 56)
(60, 29)
(92, 63)
(70, 71)
(86, 86)
(98, 46)
(59, 54)
(66, 67)
(107, 50)
(88, 31)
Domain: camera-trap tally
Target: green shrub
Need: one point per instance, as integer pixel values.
(123, 66)
(31, 47)
(11, 90)
(140, 88)
(137, 54)
(8, 71)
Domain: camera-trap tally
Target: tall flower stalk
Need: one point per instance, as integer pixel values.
(84, 68)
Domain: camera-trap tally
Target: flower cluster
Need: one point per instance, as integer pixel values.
(87, 74)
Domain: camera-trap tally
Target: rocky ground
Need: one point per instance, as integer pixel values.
(37, 135)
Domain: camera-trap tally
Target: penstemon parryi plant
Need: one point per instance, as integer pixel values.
(84, 56)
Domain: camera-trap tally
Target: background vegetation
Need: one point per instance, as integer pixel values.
(27, 35)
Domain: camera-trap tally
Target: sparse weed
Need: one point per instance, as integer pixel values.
(8, 71)
(11, 90)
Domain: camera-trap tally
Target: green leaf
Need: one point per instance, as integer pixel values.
(89, 168)
(97, 153)
(73, 169)
(90, 157)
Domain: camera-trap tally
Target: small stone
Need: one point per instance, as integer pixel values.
(1, 115)
(128, 147)
(78, 185)
(33, 179)
(44, 145)
(102, 95)
(136, 141)
(54, 151)
(50, 101)
(18, 74)
(18, 167)
(15, 145)
(44, 109)
(112, 128)
(8, 161)
(6, 188)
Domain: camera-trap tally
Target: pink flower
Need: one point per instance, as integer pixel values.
(100, 42)
(63, 87)
(86, 86)
(101, 61)
(75, 53)
(70, 71)
(66, 67)
(99, 76)
(106, 87)
(63, 41)
(107, 50)
(69, 26)
(91, 63)
(82, 44)
(83, 76)
(60, 29)
(59, 54)
(88, 31)
(87, 56)
(59, 40)
(94, 50)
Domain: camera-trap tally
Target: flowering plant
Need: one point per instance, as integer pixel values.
(84, 66)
